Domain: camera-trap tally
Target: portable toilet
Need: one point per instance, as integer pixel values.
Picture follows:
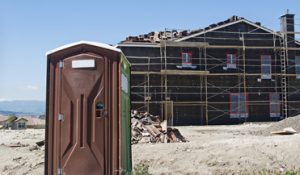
(87, 110)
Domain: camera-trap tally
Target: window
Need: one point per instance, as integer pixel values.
(231, 61)
(186, 58)
(274, 105)
(238, 105)
(266, 67)
(297, 66)
(186, 61)
(124, 83)
(21, 125)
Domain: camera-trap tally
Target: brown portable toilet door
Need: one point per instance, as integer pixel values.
(82, 141)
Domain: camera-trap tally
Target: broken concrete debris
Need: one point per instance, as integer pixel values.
(147, 128)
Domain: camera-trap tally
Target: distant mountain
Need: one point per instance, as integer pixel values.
(22, 107)
(9, 113)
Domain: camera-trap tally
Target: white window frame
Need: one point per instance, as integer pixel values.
(21, 125)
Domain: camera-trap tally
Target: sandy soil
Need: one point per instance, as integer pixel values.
(25, 159)
(221, 150)
(211, 150)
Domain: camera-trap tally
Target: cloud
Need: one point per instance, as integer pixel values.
(3, 99)
(31, 87)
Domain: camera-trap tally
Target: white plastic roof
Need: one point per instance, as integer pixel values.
(102, 45)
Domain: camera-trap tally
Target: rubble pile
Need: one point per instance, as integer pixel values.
(147, 128)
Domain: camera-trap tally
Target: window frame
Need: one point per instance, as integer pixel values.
(21, 125)
(228, 59)
(239, 114)
(278, 105)
(190, 57)
(265, 75)
(297, 65)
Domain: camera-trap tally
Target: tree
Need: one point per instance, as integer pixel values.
(11, 118)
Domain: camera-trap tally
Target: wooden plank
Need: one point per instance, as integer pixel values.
(293, 32)
(183, 44)
(184, 72)
(188, 72)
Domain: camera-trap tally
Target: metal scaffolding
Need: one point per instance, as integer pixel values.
(282, 50)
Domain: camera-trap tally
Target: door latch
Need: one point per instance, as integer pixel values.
(61, 117)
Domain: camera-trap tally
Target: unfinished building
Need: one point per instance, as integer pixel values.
(230, 72)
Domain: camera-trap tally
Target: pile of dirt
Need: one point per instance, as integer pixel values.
(291, 122)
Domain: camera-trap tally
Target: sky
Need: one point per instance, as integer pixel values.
(30, 28)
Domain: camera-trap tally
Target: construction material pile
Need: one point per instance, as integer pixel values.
(171, 34)
(147, 128)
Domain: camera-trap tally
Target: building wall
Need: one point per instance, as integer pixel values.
(188, 92)
(3, 123)
(15, 125)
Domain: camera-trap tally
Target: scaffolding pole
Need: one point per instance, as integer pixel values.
(205, 81)
(242, 75)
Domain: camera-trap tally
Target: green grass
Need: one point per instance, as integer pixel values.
(287, 172)
(141, 169)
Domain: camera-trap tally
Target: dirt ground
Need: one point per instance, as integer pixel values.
(19, 154)
(221, 150)
(210, 150)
